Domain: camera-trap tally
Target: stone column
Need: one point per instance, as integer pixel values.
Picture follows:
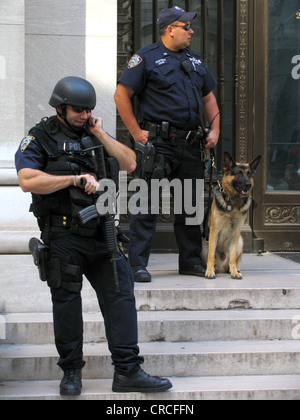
(41, 42)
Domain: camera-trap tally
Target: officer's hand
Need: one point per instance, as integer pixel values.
(141, 136)
(91, 185)
(212, 140)
(95, 123)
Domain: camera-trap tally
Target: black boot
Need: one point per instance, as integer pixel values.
(71, 382)
(139, 381)
(141, 274)
(197, 270)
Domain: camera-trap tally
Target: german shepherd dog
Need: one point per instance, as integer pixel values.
(228, 213)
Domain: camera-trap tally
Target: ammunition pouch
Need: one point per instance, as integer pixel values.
(55, 269)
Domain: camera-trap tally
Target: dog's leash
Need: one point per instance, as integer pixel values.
(213, 166)
(206, 217)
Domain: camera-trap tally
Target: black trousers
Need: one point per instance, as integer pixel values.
(185, 163)
(118, 309)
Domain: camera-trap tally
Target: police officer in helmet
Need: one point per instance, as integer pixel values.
(60, 163)
(173, 87)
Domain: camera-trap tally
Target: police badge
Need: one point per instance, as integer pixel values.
(25, 143)
(134, 61)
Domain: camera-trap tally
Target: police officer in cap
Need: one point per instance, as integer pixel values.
(60, 163)
(173, 87)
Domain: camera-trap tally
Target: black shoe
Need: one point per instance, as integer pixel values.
(141, 275)
(140, 381)
(197, 270)
(71, 382)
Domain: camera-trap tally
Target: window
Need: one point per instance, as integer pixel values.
(283, 113)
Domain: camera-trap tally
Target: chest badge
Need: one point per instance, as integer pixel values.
(134, 61)
(25, 143)
(160, 62)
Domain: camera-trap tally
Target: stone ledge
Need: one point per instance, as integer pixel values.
(8, 177)
(16, 242)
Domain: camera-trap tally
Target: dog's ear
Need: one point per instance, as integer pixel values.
(229, 162)
(254, 164)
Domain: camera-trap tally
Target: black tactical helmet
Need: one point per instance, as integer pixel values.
(73, 90)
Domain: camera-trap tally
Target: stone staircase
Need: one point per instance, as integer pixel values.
(220, 339)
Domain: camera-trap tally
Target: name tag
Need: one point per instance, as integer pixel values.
(160, 62)
(195, 61)
(70, 147)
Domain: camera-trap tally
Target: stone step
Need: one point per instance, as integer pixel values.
(266, 387)
(269, 282)
(198, 358)
(172, 326)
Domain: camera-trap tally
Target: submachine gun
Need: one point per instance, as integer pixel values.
(91, 212)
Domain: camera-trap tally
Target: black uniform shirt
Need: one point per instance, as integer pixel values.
(164, 90)
(30, 154)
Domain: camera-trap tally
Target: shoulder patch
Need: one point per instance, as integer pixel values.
(25, 143)
(134, 61)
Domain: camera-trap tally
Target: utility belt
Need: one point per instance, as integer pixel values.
(156, 166)
(193, 135)
(85, 223)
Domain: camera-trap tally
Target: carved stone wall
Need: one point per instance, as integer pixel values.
(279, 215)
(125, 45)
(242, 76)
(41, 42)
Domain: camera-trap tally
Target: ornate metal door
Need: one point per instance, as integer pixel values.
(276, 59)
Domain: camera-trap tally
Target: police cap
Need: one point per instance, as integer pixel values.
(168, 16)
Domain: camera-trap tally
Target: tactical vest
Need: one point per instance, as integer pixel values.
(69, 156)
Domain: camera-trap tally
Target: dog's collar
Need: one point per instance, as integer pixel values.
(224, 202)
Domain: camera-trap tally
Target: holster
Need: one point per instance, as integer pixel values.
(50, 269)
(39, 252)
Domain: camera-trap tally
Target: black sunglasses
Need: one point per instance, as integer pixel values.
(80, 109)
(186, 27)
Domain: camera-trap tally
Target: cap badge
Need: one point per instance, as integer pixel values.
(179, 8)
